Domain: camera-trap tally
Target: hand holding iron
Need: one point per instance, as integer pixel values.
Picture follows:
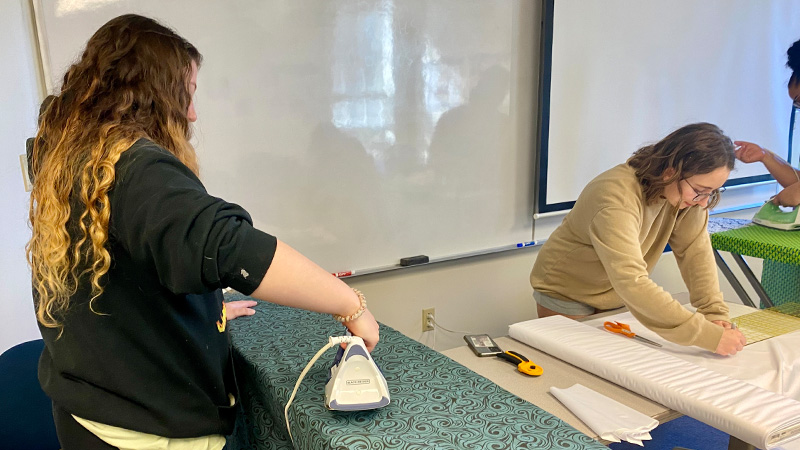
(789, 196)
(366, 328)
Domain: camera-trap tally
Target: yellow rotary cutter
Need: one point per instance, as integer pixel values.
(523, 364)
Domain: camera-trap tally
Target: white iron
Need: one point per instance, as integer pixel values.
(355, 383)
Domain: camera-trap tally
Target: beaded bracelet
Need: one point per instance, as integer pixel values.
(358, 313)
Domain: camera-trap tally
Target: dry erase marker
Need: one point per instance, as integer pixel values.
(526, 244)
(344, 274)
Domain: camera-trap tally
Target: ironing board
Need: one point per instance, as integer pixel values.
(780, 250)
(435, 402)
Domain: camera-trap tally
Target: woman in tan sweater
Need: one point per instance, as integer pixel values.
(602, 254)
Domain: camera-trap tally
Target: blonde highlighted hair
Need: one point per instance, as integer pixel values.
(131, 82)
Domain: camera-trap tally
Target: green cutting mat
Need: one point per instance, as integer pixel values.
(761, 325)
(792, 309)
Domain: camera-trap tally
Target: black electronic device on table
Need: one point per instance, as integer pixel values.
(482, 345)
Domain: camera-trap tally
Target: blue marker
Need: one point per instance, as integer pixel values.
(526, 244)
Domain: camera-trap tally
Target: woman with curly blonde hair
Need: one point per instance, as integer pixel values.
(602, 255)
(129, 253)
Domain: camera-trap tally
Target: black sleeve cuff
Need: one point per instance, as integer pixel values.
(257, 249)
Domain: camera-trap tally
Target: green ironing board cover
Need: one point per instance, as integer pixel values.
(780, 281)
(435, 402)
(760, 242)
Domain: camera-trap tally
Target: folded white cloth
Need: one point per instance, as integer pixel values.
(610, 419)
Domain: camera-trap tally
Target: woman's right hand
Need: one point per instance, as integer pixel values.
(732, 341)
(788, 197)
(365, 327)
(749, 152)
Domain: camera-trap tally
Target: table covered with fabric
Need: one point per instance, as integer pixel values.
(435, 402)
(779, 249)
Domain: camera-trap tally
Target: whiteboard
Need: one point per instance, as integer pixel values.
(359, 132)
(650, 66)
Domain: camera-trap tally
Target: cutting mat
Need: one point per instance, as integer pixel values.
(768, 323)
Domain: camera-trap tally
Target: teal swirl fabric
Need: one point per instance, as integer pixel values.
(436, 403)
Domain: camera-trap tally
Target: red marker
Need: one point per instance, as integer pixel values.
(342, 274)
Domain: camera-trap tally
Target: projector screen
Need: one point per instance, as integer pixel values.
(620, 74)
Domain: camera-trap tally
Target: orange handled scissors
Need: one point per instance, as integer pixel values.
(625, 330)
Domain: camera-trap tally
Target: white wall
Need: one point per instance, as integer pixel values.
(480, 294)
(673, 64)
(18, 108)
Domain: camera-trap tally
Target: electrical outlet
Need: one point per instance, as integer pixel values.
(427, 322)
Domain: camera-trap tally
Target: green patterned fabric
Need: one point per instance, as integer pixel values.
(780, 250)
(435, 402)
(781, 282)
(760, 242)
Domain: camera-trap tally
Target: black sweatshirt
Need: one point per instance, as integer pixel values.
(154, 355)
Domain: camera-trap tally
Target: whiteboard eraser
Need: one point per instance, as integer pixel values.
(414, 260)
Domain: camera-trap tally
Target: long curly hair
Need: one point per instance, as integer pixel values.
(130, 82)
(694, 149)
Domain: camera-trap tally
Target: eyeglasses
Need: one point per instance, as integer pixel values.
(712, 196)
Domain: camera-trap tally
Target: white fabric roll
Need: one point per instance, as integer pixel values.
(772, 364)
(610, 419)
(754, 415)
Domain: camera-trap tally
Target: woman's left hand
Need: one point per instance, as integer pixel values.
(722, 323)
(748, 152)
(239, 308)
